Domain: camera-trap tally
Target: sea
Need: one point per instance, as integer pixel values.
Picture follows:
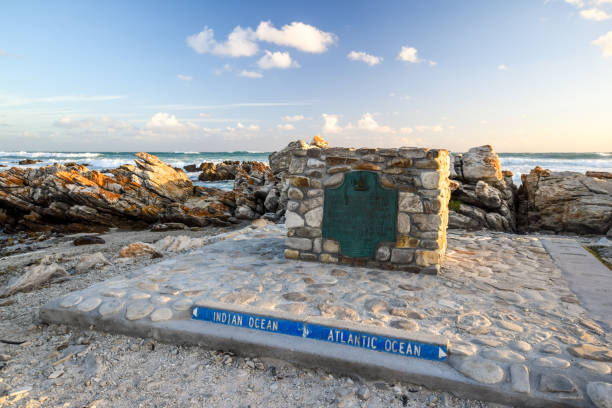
(518, 163)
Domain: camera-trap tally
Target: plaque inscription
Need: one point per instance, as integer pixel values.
(359, 214)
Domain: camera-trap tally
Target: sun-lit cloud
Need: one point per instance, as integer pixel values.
(429, 128)
(367, 122)
(285, 126)
(103, 123)
(502, 67)
(294, 118)
(605, 43)
(303, 37)
(362, 56)
(331, 123)
(281, 60)
(165, 121)
(251, 74)
(184, 77)
(408, 54)
(224, 68)
(595, 14)
(240, 43)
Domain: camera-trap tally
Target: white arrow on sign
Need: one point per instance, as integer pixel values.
(441, 353)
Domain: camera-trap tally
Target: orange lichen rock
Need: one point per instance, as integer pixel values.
(318, 141)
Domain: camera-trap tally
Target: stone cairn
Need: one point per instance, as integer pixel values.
(419, 175)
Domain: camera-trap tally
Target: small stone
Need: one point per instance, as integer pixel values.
(383, 253)
(363, 393)
(487, 341)
(556, 383)
(481, 370)
(600, 393)
(591, 352)
(296, 297)
(519, 374)
(111, 307)
(139, 296)
(551, 362)
(510, 326)
(596, 367)
(338, 312)
(504, 355)
(408, 313)
(113, 292)
(520, 345)
(89, 304)
(408, 325)
(591, 325)
(20, 391)
(410, 202)
(376, 306)
(291, 254)
(88, 240)
(410, 288)
(56, 373)
(71, 300)
(462, 349)
(550, 348)
(138, 310)
(474, 323)
(338, 272)
(327, 258)
(4, 357)
(161, 314)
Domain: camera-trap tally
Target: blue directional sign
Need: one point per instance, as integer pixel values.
(353, 338)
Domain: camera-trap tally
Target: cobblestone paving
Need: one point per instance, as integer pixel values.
(500, 300)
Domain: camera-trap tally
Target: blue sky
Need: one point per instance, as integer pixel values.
(216, 76)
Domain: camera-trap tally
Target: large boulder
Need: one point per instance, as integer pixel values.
(565, 202)
(483, 196)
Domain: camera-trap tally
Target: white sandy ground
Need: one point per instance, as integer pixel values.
(105, 370)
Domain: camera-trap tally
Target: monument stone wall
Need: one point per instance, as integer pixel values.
(382, 208)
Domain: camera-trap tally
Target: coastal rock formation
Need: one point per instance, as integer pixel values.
(483, 195)
(566, 202)
(74, 198)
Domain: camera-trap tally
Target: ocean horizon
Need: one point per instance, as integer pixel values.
(518, 163)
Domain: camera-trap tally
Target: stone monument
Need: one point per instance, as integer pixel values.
(382, 208)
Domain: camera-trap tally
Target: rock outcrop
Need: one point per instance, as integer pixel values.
(565, 202)
(483, 195)
(75, 199)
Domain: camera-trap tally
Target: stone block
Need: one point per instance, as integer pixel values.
(303, 244)
(383, 253)
(366, 166)
(293, 220)
(427, 222)
(315, 164)
(427, 258)
(316, 245)
(331, 246)
(327, 258)
(333, 180)
(403, 163)
(295, 193)
(430, 180)
(291, 254)
(405, 241)
(298, 164)
(299, 181)
(338, 169)
(403, 223)
(402, 255)
(314, 217)
(410, 202)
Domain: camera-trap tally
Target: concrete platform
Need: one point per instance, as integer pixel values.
(515, 332)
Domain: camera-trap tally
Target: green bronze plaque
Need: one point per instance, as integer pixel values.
(359, 214)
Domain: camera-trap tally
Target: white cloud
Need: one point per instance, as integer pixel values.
(502, 67)
(408, 54)
(362, 56)
(595, 14)
(240, 43)
(602, 2)
(68, 123)
(165, 121)
(367, 122)
(225, 68)
(295, 118)
(406, 130)
(605, 43)
(251, 74)
(285, 126)
(331, 124)
(298, 35)
(576, 3)
(432, 63)
(184, 77)
(277, 59)
(241, 127)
